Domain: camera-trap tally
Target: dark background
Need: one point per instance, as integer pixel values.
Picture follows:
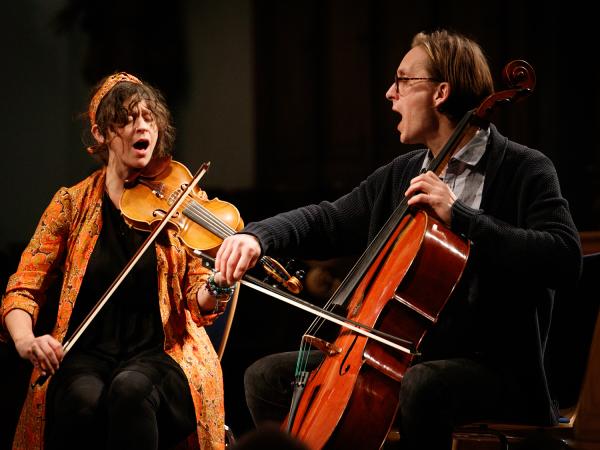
(285, 98)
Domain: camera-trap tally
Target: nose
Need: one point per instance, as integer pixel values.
(391, 93)
(141, 124)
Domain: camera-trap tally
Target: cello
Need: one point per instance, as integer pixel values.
(351, 399)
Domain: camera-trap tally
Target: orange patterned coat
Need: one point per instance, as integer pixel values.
(63, 241)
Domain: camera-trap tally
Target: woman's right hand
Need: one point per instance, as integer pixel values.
(44, 352)
(236, 255)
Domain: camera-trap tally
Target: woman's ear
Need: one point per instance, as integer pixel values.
(442, 93)
(97, 134)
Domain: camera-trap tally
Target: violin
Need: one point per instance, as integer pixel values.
(201, 224)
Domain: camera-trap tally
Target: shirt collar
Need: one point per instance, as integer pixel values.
(471, 153)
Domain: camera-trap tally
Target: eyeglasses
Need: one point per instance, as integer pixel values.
(398, 80)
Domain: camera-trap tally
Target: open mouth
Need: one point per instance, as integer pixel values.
(142, 144)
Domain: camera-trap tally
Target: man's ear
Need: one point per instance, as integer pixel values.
(97, 134)
(442, 93)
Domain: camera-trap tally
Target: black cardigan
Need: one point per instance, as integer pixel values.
(524, 245)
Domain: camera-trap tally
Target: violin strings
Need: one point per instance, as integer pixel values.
(204, 217)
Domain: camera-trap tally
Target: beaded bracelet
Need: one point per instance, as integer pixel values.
(216, 290)
(222, 293)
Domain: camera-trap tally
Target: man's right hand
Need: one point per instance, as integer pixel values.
(237, 254)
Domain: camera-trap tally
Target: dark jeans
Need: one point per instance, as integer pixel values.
(435, 396)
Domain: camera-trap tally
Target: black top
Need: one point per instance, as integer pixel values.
(129, 322)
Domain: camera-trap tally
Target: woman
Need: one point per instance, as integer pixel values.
(144, 373)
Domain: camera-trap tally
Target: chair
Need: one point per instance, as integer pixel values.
(575, 382)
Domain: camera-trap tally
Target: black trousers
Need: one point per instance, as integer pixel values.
(435, 396)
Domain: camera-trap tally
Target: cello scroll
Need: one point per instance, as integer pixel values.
(519, 76)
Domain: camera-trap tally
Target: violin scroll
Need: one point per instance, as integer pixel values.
(275, 270)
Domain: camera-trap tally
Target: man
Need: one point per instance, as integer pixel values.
(484, 358)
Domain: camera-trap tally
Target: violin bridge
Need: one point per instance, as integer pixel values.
(326, 347)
